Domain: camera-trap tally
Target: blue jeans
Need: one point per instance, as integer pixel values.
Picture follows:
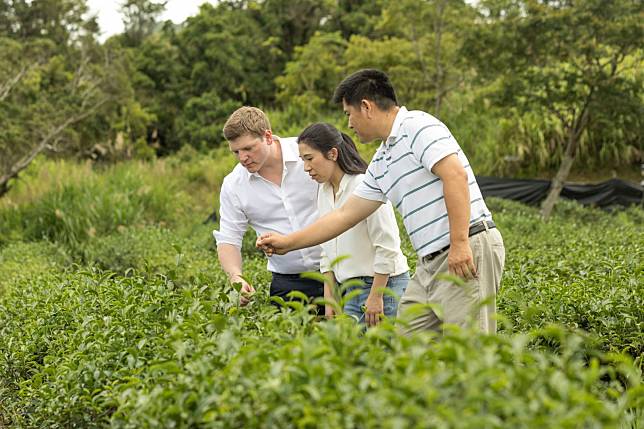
(396, 284)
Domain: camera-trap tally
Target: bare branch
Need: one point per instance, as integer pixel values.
(48, 142)
(6, 88)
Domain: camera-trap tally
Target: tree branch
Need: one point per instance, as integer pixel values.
(6, 88)
(47, 142)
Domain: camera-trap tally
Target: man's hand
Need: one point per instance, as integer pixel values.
(374, 308)
(461, 261)
(245, 292)
(273, 243)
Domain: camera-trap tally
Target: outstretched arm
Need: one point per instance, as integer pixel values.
(324, 229)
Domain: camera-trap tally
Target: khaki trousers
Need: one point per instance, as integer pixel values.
(475, 302)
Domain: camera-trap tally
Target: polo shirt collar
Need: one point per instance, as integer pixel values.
(400, 116)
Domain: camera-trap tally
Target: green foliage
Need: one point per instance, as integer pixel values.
(570, 76)
(20, 261)
(310, 78)
(142, 352)
(584, 270)
(202, 119)
(73, 213)
(60, 21)
(145, 331)
(512, 79)
(222, 50)
(139, 19)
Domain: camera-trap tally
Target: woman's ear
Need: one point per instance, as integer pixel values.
(332, 154)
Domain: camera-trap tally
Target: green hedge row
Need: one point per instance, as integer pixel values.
(91, 349)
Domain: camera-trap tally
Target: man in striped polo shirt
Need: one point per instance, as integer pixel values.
(422, 170)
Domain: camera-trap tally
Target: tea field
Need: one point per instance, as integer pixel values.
(115, 313)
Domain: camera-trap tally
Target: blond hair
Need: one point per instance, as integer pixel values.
(246, 120)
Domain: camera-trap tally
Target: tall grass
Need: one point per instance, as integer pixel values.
(69, 203)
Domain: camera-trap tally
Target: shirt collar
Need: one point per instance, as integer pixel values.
(344, 182)
(400, 116)
(289, 150)
(288, 154)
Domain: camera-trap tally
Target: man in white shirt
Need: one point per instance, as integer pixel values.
(269, 191)
(422, 170)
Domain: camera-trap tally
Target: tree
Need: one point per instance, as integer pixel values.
(202, 119)
(222, 50)
(356, 17)
(161, 84)
(60, 21)
(311, 77)
(41, 99)
(140, 19)
(54, 83)
(292, 22)
(575, 61)
(435, 30)
(396, 57)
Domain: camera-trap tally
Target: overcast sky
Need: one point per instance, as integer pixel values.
(111, 22)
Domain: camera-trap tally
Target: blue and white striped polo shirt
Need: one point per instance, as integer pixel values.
(401, 172)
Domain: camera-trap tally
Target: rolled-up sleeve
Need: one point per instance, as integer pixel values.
(385, 237)
(233, 222)
(325, 263)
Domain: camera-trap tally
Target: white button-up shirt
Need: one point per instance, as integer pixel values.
(248, 199)
(373, 245)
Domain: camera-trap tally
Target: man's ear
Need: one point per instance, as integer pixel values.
(268, 135)
(367, 107)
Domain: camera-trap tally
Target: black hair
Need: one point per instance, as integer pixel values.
(369, 84)
(324, 137)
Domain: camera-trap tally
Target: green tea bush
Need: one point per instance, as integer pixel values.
(90, 349)
(21, 261)
(583, 269)
(114, 312)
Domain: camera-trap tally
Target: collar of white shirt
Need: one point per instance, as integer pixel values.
(327, 188)
(289, 152)
(400, 116)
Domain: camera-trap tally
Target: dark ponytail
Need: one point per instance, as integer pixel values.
(324, 137)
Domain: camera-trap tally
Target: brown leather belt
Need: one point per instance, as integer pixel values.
(474, 229)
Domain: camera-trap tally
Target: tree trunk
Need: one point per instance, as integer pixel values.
(561, 176)
(575, 131)
(4, 188)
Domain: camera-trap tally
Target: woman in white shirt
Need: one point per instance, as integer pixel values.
(373, 246)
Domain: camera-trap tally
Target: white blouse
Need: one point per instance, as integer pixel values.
(373, 245)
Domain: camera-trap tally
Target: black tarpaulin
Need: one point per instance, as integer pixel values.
(533, 191)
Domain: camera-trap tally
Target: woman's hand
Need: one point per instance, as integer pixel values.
(375, 308)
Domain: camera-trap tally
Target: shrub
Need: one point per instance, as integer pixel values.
(91, 349)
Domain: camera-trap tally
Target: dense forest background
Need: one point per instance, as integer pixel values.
(529, 87)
